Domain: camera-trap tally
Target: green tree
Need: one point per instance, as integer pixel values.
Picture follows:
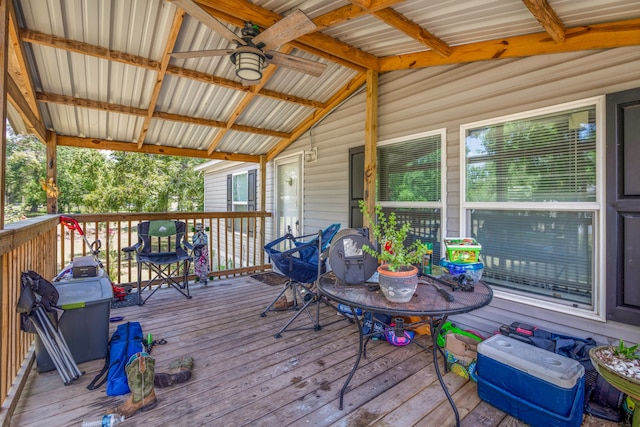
(94, 181)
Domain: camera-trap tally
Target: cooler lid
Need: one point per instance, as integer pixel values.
(545, 365)
(86, 290)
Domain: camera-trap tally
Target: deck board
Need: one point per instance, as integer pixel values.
(243, 375)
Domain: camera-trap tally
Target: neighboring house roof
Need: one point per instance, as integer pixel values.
(98, 73)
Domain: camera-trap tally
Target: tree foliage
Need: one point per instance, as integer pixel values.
(95, 181)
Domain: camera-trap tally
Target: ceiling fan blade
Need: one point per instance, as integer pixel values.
(296, 63)
(201, 53)
(288, 28)
(201, 15)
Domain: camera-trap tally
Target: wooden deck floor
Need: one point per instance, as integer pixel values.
(245, 376)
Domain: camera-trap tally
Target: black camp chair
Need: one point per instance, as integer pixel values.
(162, 245)
(302, 262)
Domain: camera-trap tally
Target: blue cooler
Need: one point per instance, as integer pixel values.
(536, 386)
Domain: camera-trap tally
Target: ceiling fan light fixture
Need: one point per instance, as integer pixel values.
(249, 63)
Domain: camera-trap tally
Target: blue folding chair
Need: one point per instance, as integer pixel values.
(302, 262)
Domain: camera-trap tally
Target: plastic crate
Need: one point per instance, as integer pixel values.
(462, 249)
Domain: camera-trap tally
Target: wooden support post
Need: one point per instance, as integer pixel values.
(263, 200)
(4, 76)
(371, 140)
(52, 170)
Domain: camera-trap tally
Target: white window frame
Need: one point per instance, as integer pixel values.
(443, 175)
(233, 186)
(597, 310)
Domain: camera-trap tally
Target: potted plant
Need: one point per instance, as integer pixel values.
(398, 276)
(620, 366)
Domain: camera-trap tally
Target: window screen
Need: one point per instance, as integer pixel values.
(530, 199)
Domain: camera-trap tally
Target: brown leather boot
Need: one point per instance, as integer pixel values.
(140, 373)
(179, 372)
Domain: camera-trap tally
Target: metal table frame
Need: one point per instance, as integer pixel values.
(426, 302)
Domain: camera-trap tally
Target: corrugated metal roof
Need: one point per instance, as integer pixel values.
(87, 63)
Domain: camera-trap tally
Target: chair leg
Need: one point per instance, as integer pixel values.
(290, 284)
(140, 302)
(161, 272)
(311, 297)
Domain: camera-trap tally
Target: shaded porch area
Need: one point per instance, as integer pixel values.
(245, 376)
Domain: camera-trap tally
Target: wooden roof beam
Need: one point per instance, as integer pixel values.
(124, 109)
(102, 144)
(599, 36)
(550, 21)
(19, 72)
(413, 30)
(56, 42)
(168, 48)
(16, 98)
(138, 61)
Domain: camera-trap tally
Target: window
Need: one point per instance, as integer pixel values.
(410, 184)
(531, 190)
(241, 196)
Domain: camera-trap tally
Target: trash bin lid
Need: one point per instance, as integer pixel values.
(87, 290)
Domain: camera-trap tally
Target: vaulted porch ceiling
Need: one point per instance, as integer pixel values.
(99, 74)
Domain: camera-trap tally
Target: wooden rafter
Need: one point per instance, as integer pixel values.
(18, 71)
(138, 61)
(550, 21)
(102, 144)
(413, 30)
(21, 104)
(599, 36)
(171, 40)
(124, 109)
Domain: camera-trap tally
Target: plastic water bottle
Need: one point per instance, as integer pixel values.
(109, 420)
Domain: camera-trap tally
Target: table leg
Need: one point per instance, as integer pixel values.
(355, 365)
(434, 337)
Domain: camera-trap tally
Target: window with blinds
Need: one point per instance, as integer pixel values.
(410, 184)
(531, 200)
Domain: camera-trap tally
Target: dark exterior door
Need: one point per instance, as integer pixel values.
(623, 207)
(356, 185)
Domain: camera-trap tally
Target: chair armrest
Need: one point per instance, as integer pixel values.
(187, 245)
(131, 249)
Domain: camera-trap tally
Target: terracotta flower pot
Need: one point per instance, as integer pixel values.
(400, 285)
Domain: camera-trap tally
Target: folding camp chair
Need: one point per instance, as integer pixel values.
(302, 262)
(161, 246)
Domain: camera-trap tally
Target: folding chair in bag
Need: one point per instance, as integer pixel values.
(302, 262)
(163, 248)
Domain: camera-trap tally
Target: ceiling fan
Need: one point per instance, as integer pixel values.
(254, 49)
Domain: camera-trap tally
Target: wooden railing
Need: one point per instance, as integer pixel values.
(27, 245)
(236, 240)
(44, 245)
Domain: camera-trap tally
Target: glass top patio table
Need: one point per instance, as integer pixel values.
(426, 302)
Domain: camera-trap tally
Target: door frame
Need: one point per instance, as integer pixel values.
(293, 158)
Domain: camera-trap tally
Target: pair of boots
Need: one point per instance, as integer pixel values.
(140, 372)
(179, 372)
(141, 378)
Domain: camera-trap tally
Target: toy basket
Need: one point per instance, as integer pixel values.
(462, 249)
